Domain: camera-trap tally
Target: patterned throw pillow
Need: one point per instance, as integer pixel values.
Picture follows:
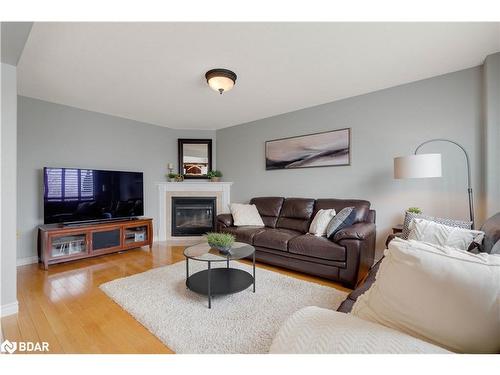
(344, 218)
(409, 216)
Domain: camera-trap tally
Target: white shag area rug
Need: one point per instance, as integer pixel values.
(244, 322)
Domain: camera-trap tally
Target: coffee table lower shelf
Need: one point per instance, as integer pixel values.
(219, 281)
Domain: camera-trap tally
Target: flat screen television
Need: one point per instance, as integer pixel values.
(81, 195)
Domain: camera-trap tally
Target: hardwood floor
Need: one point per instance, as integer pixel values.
(65, 307)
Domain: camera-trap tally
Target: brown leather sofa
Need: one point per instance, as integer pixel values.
(284, 240)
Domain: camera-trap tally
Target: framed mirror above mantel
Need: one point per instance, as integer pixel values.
(195, 157)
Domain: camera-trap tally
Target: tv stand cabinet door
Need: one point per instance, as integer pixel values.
(63, 246)
(137, 234)
(106, 240)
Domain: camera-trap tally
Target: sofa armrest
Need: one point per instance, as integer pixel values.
(358, 231)
(225, 219)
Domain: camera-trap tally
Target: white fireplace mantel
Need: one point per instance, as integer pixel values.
(166, 190)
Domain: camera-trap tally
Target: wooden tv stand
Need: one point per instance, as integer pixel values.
(59, 243)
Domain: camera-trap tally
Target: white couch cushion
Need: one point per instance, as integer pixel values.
(322, 331)
(321, 221)
(443, 235)
(245, 214)
(442, 295)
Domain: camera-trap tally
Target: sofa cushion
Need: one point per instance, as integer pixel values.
(316, 330)
(269, 209)
(296, 214)
(244, 234)
(362, 207)
(318, 247)
(312, 263)
(275, 238)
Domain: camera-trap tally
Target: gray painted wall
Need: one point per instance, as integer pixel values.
(384, 124)
(8, 134)
(56, 135)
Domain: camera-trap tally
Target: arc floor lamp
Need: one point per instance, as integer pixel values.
(429, 165)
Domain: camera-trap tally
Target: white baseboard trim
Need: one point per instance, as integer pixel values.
(9, 309)
(28, 260)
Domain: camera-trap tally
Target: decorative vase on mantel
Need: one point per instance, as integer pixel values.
(175, 177)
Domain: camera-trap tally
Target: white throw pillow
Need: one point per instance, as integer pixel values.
(314, 330)
(245, 214)
(445, 296)
(321, 221)
(443, 235)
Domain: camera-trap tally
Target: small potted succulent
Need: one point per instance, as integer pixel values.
(414, 210)
(221, 242)
(171, 177)
(214, 176)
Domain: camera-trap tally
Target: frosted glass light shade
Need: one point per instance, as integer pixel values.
(417, 166)
(221, 83)
(221, 80)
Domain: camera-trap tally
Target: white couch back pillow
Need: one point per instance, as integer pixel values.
(245, 214)
(442, 295)
(443, 235)
(321, 221)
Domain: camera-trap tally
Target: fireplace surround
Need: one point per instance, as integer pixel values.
(190, 188)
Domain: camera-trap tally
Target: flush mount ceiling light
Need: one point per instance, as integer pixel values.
(220, 79)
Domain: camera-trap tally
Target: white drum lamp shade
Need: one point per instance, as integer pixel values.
(417, 166)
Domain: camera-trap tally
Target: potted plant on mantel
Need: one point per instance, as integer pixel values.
(175, 177)
(214, 176)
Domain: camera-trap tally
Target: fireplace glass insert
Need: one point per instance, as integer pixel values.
(193, 216)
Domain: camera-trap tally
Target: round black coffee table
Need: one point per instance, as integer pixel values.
(219, 280)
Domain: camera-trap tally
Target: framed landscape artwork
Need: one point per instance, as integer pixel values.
(331, 148)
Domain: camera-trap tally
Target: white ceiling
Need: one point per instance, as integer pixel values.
(154, 72)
